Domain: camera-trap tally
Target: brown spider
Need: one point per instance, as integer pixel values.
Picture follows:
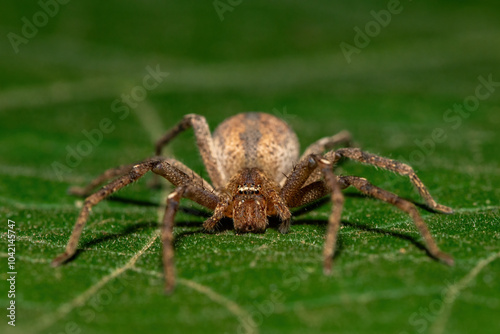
(253, 162)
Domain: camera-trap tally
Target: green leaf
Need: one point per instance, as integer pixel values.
(58, 97)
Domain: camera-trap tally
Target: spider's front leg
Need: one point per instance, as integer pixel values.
(124, 169)
(167, 237)
(106, 176)
(294, 194)
(188, 184)
(337, 198)
(369, 189)
(320, 146)
(134, 174)
(391, 165)
(191, 186)
(291, 192)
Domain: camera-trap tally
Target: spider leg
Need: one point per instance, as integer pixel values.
(320, 146)
(309, 193)
(314, 188)
(134, 174)
(334, 218)
(327, 143)
(369, 189)
(107, 175)
(297, 178)
(194, 191)
(294, 194)
(219, 212)
(297, 191)
(167, 237)
(391, 165)
(121, 170)
(204, 142)
(197, 189)
(282, 211)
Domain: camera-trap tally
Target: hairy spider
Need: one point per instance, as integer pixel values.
(253, 162)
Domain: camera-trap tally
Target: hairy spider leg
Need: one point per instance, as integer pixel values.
(337, 199)
(134, 174)
(167, 237)
(327, 143)
(205, 145)
(297, 194)
(188, 184)
(393, 166)
(369, 189)
(320, 146)
(121, 170)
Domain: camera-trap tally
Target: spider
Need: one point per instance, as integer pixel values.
(253, 162)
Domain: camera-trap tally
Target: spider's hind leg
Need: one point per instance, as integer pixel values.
(369, 189)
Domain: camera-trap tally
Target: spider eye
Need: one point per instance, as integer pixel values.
(241, 191)
(257, 191)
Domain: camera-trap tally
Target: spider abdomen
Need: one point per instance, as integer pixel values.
(259, 140)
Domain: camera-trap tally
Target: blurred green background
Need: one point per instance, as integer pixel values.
(404, 92)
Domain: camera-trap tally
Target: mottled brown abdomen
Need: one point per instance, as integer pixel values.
(256, 140)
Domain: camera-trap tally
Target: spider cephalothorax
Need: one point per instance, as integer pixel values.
(253, 162)
(254, 198)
